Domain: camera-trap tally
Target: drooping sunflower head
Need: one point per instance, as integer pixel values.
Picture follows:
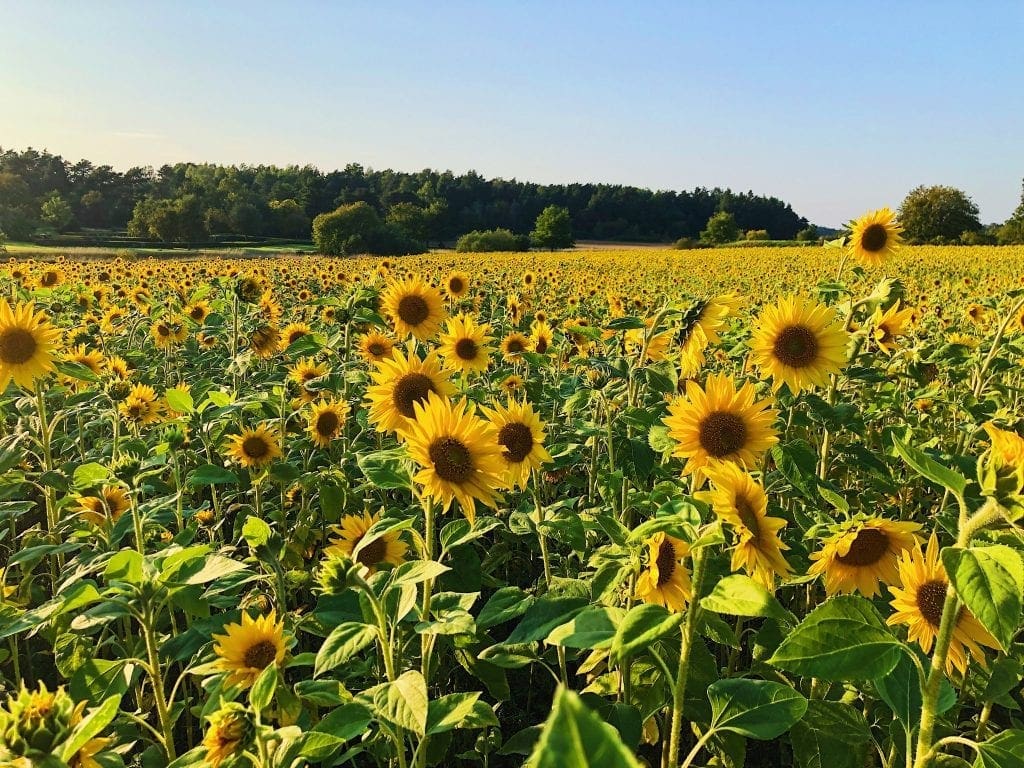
(399, 383)
(665, 580)
(799, 343)
(541, 336)
(326, 420)
(521, 437)
(465, 345)
(889, 326)
(255, 448)
(862, 553)
(230, 733)
(388, 549)
(110, 504)
(246, 649)
(720, 424)
(874, 236)
(264, 341)
(27, 343)
(415, 308)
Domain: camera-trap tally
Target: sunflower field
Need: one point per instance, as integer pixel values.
(603, 509)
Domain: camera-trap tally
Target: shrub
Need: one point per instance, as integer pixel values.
(484, 240)
(721, 228)
(808, 234)
(688, 243)
(553, 228)
(356, 228)
(757, 234)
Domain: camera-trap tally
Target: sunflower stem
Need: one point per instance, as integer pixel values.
(49, 500)
(153, 658)
(689, 632)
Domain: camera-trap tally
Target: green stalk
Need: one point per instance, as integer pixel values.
(689, 633)
(153, 660)
(49, 498)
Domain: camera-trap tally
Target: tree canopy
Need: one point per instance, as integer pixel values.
(553, 228)
(938, 214)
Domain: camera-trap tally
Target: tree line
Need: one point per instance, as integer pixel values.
(188, 202)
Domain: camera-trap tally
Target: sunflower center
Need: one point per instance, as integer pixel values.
(455, 285)
(867, 548)
(451, 459)
(541, 346)
(327, 423)
(17, 346)
(666, 562)
(411, 389)
(413, 310)
(255, 447)
(931, 597)
(375, 348)
(372, 553)
(196, 313)
(747, 515)
(722, 433)
(517, 439)
(466, 349)
(796, 346)
(874, 238)
(261, 654)
(515, 346)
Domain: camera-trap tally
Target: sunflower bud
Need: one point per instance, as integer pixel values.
(1001, 470)
(35, 723)
(175, 437)
(118, 390)
(231, 732)
(125, 467)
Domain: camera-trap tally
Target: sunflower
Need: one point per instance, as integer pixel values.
(269, 307)
(108, 506)
(140, 406)
(541, 335)
(1007, 447)
(464, 345)
(719, 424)
(374, 347)
(255, 447)
(456, 284)
(799, 343)
(861, 553)
(874, 236)
(292, 333)
(168, 332)
(415, 308)
(889, 326)
(197, 311)
(458, 452)
(512, 384)
(401, 381)
(665, 581)
(388, 548)
(741, 502)
(52, 277)
(657, 345)
(326, 420)
(305, 371)
(246, 649)
(27, 342)
(521, 437)
(230, 733)
(90, 358)
(513, 346)
(264, 341)
(919, 600)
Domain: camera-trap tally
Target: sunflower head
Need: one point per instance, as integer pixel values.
(326, 420)
(862, 553)
(665, 581)
(27, 344)
(255, 448)
(1001, 469)
(415, 308)
(399, 383)
(465, 345)
(230, 733)
(382, 551)
(34, 723)
(247, 648)
(875, 236)
(521, 437)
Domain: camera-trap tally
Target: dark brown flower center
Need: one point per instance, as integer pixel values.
(197, 313)
(796, 346)
(747, 515)
(455, 285)
(451, 459)
(327, 424)
(466, 349)
(372, 553)
(931, 597)
(515, 346)
(376, 349)
(666, 562)
(413, 310)
(411, 389)
(517, 440)
(868, 547)
(17, 346)
(261, 654)
(255, 447)
(874, 238)
(541, 346)
(295, 336)
(50, 278)
(722, 433)
(163, 330)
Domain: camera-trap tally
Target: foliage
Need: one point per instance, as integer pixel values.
(808, 234)
(757, 234)
(938, 214)
(721, 228)
(553, 228)
(492, 240)
(357, 228)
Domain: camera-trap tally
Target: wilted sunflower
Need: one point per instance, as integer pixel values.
(27, 342)
(141, 406)
(719, 424)
(861, 553)
(513, 346)
(456, 284)
(264, 341)
(741, 502)
(388, 548)
(109, 505)
(246, 649)
(326, 420)
(919, 600)
(255, 447)
(230, 733)
(399, 383)
(415, 308)
(374, 346)
(521, 437)
(874, 236)
(665, 581)
(464, 345)
(799, 343)
(458, 452)
(890, 325)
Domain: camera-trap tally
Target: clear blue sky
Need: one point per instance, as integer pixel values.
(837, 107)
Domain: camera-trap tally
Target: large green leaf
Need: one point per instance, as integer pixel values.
(990, 581)
(643, 625)
(756, 709)
(402, 703)
(1003, 751)
(575, 737)
(543, 616)
(831, 735)
(345, 641)
(91, 726)
(927, 467)
(594, 627)
(845, 638)
(740, 595)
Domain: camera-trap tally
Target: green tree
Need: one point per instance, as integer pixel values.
(288, 219)
(553, 228)
(808, 234)
(938, 214)
(357, 228)
(721, 228)
(490, 240)
(411, 218)
(1012, 231)
(55, 212)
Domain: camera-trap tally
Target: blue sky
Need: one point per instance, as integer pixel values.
(835, 107)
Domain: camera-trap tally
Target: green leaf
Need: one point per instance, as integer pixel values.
(262, 692)
(927, 467)
(625, 324)
(384, 470)
(1003, 751)
(543, 616)
(594, 627)
(346, 722)
(76, 370)
(831, 735)
(643, 625)
(502, 606)
(740, 595)
(842, 639)
(990, 581)
(91, 726)
(417, 571)
(90, 475)
(345, 641)
(126, 566)
(180, 400)
(256, 532)
(575, 737)
(211, 474)
(403, 703)
(448, 712)
(900, 688)
(756, 709)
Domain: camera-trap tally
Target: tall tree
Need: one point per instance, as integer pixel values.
(553, 228)
(938, 214)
